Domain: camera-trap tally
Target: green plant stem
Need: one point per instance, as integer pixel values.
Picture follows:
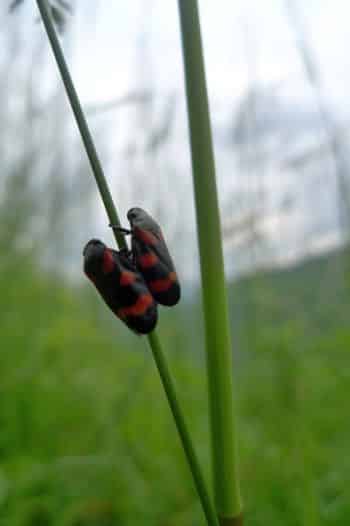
(218, 338)
(182, 428)
(153, 339)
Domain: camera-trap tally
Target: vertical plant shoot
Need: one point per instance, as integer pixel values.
(217, 328)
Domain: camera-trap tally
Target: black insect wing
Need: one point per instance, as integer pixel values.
(121, 286)
(139, 309)
(152, 258)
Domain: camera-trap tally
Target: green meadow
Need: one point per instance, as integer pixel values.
(86, 435)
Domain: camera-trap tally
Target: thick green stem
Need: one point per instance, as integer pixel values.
(153, 339)
(218, 339)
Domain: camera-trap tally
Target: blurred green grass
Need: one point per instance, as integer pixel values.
(86, 435)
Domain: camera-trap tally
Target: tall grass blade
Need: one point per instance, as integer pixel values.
(218, 340)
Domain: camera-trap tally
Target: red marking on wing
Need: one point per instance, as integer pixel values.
(162, 285)
(127, 277)
(146, 236)
(147, 260)
(144, 301)
(108, 262)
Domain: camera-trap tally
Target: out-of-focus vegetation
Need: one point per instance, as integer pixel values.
(86, 435)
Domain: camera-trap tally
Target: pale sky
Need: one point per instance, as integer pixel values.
(109, 43)
(116, 46)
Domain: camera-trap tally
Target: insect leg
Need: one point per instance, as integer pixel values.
(120, 229)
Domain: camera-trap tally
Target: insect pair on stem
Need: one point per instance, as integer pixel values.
(132, 283)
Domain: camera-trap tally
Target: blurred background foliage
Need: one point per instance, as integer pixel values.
(86, 435)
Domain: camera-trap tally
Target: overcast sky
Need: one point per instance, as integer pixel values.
(115, 28)
(246, 43)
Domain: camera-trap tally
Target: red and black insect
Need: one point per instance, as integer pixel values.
(121, 286)
(152, 257)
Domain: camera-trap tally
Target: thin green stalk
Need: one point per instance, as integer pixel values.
(153, 339)
(218, 338)
(182, 428)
